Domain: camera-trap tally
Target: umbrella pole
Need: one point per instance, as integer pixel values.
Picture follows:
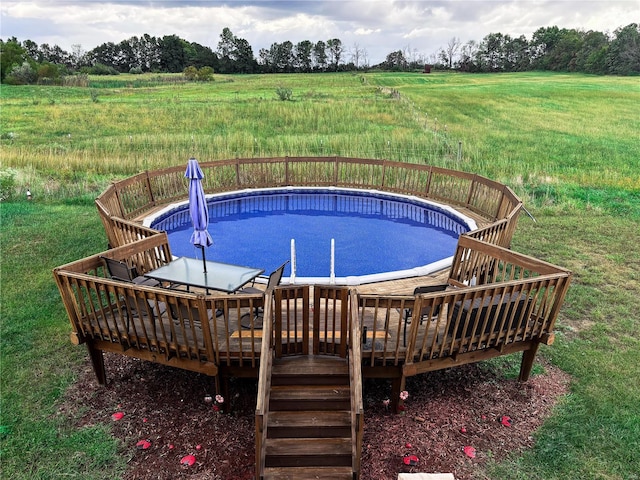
(204, 260)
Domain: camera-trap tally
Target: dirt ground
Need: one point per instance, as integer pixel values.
(454, 420)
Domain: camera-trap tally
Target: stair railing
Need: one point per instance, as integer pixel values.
(355, 374)
(264, 383)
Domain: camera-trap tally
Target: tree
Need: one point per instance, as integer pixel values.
(236, 54)
(190, 73)
(126, 56)
(466, 62)
(490, 54)
(226, 43)
(623, 57)
(282, 56)
(77, 56)
(202, 56)
(592, 57)
(54, 54)
(516, 54)
(172, 55)
(148, 52)
(225, 50)
(320, 55)
(449, 52)
(270, 59)
(396, 61)
(415, 60)
(105, 54)
(11, 54)
(542, 43)
(334, 50)
(32, 50)
(245, 62)
(49, 73)
(264, 60)
(303, 61)
(562, 57)
(365, 59)
(357, 55)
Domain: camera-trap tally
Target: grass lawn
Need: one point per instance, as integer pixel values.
(568, 144)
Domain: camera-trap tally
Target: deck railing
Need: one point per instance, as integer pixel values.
(496, 301)
(131, 198)
(190, 330)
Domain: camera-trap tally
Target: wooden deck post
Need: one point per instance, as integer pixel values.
(97, 360)
(222, 388)
(397, 385)
(528, 357)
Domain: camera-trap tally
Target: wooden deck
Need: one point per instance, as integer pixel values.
(496, 302)
(318, 341)
(403, 286)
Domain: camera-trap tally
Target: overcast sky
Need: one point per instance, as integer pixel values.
(375, 26)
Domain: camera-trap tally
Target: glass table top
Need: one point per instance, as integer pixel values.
(218, 276)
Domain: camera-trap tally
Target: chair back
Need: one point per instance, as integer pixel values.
(119, 270)
(430, 289)
(276, 276)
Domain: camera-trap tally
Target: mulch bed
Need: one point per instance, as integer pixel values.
(454, 420)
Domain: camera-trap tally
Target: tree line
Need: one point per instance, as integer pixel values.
(550, 48)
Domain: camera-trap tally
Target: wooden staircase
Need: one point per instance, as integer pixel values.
(309, 432)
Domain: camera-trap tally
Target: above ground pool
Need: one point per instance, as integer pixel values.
(366, 236)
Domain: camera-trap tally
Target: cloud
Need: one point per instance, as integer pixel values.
(366, 31)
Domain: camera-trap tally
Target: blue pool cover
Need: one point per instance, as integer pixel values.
(374, 233)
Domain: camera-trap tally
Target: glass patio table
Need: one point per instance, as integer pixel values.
(224, 277)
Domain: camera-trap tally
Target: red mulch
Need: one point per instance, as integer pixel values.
(446, 411)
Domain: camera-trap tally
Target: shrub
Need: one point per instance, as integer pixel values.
(135, 70)
(48, 74)
(284, 94)
(7, 184)
(190, 73)
(205, 74)
(22, 75)
(100, 69)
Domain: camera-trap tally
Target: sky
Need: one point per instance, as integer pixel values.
(373, 27)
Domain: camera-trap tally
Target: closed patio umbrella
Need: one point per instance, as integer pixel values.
(198, 208)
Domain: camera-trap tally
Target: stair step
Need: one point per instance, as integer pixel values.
(304, 379)
(318, 424)
(310, 364)
(308, 473)
(310, 371)
(307, 452)
(310, 397)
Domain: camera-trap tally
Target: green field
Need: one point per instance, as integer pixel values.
(567, 144)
